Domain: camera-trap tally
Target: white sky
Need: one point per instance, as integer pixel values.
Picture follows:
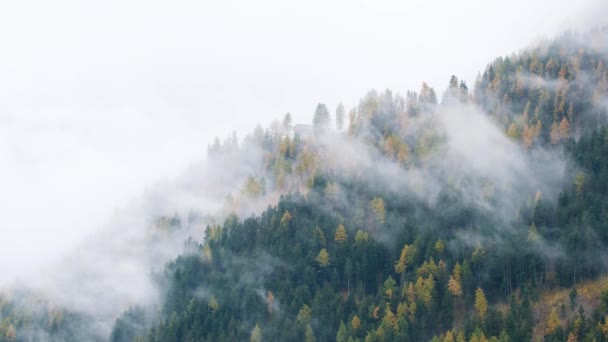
(98, 100)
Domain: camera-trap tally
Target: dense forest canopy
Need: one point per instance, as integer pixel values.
(470, 215)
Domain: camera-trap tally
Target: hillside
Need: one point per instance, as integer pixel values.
(462, 216)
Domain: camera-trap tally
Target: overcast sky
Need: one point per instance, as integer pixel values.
(99, 100)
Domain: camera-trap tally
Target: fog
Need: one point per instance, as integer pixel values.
(99, 102)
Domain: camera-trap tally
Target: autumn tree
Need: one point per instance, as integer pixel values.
(530, 134)
(213, 304)
(407, 254)
(391, 146)
(512, 131)
(341, 235)
(424, 290)
(355, 323)
(342, 335)
(449, 337)
(11, 333)
(253, 187)
(555, 134)
(564, 129)
(439, 247)
(269, 302)
(256, 334)
(309, 335)
(305, 314)
(389, 320)
(319, 236)
(361, 236)
(552, 322)
(481, 303)
(561, 131)
(533, 235)
(377, 206)
(478, 336)
(604, 328)
(285, 219)
(323, 258)
(410, 292)
(403, 153)
(579, 183)
(455, 282)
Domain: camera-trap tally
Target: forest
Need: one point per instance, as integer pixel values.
(465, 215)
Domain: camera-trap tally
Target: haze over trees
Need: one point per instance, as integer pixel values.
(415, 220)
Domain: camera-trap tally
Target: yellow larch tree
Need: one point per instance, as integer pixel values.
(355, 323)
(341, 235)
(323, 258)
(455, 282)
(481, 303)
(11, 333)
(512, 131)
(407, 254)
(555, 135)
(256, 334)
(377, 206)
(552, 322)
(564, 128)
(269, 302)
(285, 219)
(389, 320)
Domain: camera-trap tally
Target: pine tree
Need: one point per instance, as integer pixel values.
(389, 287)
(321, 118)
(340, 113)
(348, 272)
(287, 123)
